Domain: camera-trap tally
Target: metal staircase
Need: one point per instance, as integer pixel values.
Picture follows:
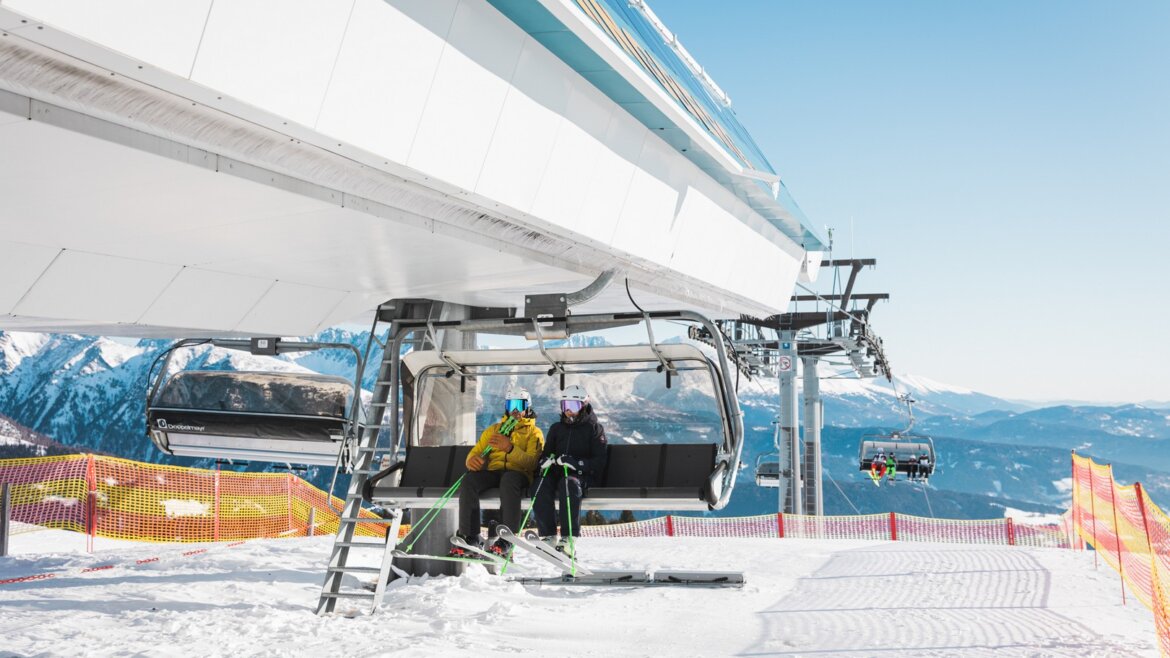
(351, 553)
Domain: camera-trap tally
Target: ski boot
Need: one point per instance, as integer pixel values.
(459, 551)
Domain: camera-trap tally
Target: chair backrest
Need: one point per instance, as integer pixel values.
(655, 466)
(433, 466)
(660, 465)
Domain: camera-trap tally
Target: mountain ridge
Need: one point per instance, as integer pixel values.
(89, 392)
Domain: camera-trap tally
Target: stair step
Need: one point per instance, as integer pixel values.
(360, 544)
(347, 595)
(354, 569)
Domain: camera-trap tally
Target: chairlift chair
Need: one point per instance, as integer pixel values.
(280, 417)
(698, 474)
(906, 448)
(768, 471)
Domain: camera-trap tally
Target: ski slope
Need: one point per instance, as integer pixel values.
(802, 598)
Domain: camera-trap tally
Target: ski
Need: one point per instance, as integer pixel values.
(877, 480)
(443, 558)
(544, 552)
(497, 561)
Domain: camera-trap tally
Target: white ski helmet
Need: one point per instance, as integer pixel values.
(517, 393)
(574, 392)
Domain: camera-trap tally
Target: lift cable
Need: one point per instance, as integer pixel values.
(927, 497)
(834, 481)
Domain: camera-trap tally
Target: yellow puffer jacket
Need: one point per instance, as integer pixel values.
(527, 444)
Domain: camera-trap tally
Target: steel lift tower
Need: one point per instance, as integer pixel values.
(838, 324)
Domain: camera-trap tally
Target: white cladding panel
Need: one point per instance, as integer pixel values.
(613, 173)
(164, 33)
(708, 250)
(467, 95)
(647, 218)
(20, 266)
(13, 109)
(206, 300)
(289, 308)
(527, 129)
(354, 308)
(81, 286)
(274, 54)
(373, 100)
(259, 246)
(126, 202)
(574, 156)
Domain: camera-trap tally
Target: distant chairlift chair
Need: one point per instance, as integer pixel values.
(768, 471)
(907, 448)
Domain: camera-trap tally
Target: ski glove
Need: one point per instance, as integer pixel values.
(572, 463)
(548, 462)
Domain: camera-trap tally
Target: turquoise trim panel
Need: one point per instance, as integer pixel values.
(645, 49)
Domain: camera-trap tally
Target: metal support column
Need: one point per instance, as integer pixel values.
(461, 429)
(813, 501)
(789, 423)
(4, 516)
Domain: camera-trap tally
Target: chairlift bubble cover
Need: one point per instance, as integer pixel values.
(906, 450)
(292, 417)
(671, 470)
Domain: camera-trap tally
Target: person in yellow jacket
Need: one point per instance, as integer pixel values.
(513, 447)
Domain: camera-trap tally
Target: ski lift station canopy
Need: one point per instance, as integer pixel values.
(660, 461)
(282, 417)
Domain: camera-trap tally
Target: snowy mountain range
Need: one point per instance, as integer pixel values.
(89, 393)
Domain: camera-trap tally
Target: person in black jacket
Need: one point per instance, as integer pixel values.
(574, 458)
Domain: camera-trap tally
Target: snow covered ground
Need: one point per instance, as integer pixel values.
(802, 598)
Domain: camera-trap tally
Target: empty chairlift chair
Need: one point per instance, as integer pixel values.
(768, 471)
(280, 417)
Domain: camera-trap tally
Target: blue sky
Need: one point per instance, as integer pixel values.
(1007, 163)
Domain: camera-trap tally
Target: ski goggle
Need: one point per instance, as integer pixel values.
(572, 406)
(520, 405)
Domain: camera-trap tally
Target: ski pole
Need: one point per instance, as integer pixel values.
(506, 428)
(433, 512)
(569, 522)
(531, 503)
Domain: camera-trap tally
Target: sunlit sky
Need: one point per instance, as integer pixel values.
(1007, 163)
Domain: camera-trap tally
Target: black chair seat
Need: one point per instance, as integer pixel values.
(646, 477)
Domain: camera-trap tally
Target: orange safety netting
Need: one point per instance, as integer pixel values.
(119, 498)
(1129, 532)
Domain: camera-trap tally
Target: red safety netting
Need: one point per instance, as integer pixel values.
(874, 527)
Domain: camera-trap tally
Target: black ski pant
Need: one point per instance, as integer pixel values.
(512, 485)
(557, 491)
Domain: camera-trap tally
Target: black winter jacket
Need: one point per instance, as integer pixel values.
(584, 441)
